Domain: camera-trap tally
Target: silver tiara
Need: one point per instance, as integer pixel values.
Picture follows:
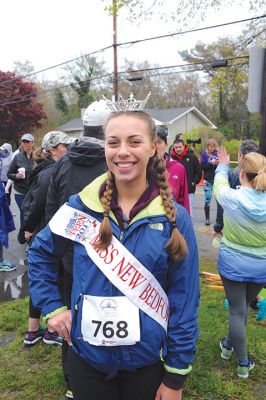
(131, 104)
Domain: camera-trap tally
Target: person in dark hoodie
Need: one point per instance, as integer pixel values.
(84, 161)
(54, 146)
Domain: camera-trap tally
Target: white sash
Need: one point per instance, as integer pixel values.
(115, 262)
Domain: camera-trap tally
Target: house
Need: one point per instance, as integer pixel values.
(177, 120)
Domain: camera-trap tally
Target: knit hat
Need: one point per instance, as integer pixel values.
(161, 134)
(27, 136)
(53, 139)
(96, 114)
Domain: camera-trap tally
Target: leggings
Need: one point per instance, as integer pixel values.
(90, 384)
(239, 296)
(207, 192)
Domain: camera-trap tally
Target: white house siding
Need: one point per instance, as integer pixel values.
(184, 125)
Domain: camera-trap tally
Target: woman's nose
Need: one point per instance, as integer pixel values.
(123, 150)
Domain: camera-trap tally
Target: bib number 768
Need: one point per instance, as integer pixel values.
(109, 330)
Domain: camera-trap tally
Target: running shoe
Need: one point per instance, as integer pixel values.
(32, 338)
(52, 338)
(226, 351)
(243, 370)
(69, 394)
(6, 266)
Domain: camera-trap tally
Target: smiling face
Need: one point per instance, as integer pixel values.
(128, 148)
(179, 147)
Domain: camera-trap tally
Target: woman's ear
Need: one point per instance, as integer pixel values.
(153, 149)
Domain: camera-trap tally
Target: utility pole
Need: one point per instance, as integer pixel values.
(115, 50)
(263, 110)
(257, 89)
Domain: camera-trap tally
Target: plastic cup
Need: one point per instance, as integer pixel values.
(22, 171)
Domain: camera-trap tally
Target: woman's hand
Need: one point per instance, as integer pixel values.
(28, 235)
(165, 393)
(224, 158)
(61, 323)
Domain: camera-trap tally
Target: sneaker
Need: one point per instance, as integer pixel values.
(52, 338)
(69, 394)
(207, 222)
(6, 266)
(243, 370)
(226, 352)
(262, 310)
(33, 337)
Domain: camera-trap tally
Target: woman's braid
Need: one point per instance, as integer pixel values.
(176, 247)
(105, 231)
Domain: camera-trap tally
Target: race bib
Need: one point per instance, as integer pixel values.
(110, 321)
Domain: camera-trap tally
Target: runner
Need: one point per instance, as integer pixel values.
(135, 274)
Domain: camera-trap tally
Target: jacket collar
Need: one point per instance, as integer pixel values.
(90, 197)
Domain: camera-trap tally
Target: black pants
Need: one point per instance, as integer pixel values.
(89, 384)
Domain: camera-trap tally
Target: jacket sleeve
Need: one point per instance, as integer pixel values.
(53, 197)
(197, 171)
(44, 254)
(225, 196)
(36, 210)
(183, 294)
(184, 190)
(13, 170)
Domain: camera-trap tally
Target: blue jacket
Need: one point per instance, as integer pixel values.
(145, 237)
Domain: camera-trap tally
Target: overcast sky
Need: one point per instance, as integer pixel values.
(50, 32)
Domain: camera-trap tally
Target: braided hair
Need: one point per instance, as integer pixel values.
(176, 246)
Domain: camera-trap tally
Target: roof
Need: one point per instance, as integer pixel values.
(73, 125)
(170, 115)
(161, 117)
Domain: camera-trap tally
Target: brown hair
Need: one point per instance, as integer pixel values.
(254, 166)
(176, 246)
(39, 155)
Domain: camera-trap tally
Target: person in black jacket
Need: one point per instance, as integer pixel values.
(20, 169)
(84, 161)
(180, 152)
(54, 145)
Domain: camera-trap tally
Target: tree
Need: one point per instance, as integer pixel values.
(185, 11)
(227, 85)
(82, 75)
(60, 102)
(19, 111)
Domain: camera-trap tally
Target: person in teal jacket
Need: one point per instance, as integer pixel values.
(128, 354)
(242, 253)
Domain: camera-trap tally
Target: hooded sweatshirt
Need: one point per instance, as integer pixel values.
(5, 162)
(242, 255)
(84, 161)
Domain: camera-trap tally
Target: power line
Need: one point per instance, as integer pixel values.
(28, 97)
(56, 65)
(192, 30)
(134, 42)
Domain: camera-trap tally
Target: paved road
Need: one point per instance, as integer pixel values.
(14, 284)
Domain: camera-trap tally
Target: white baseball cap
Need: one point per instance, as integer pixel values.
(27, 136)
(53, 139)
(96, 114)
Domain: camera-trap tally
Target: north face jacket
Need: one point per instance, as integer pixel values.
(145, 237)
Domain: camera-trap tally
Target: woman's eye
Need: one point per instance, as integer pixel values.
(112, 143)
(135, 142)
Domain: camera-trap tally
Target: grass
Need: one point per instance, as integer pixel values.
(35, 373)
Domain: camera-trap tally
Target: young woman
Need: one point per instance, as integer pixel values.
(242, 254)
(135, 294)
(209, 162)
(54, 146)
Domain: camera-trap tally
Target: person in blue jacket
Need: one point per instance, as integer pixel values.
(6, 222)
(124, 345)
